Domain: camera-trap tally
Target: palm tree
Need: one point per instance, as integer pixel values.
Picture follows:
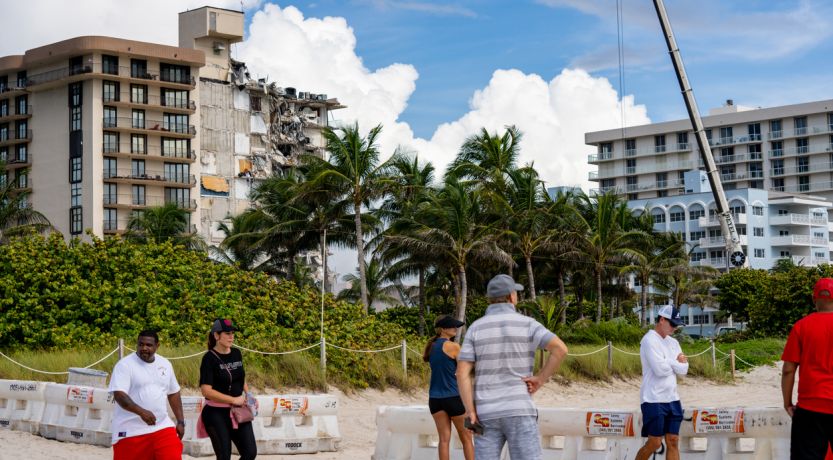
(487, 159)
(355, 172)
(656, 258)
(16, 214)
(238, 243)
(451, 226)
(602, 236)
(379, 285)
(163, 223)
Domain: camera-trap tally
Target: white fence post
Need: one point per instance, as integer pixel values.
(121, 349)
(405, 357)
(323, 354)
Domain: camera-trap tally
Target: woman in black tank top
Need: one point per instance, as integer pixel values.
(443, 396)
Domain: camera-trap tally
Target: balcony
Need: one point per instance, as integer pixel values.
(94, 69)
(593, 175)
(729, 177)
(801, 131)
(144, 126)
(168, 104)
(16, 162)
(153, 152)
(129, 201)
(603, 190)
(14, 136)
(13, 114)
(797, 219)
(715, 262)
(713, 221)
(798, 240)
(806, 261)
(597, 157)
(805, 188)
(150, 177)
(719, 241)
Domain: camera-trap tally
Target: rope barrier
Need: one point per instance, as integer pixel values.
(701, 353)
(588, 354)
(56, 373)
(363, 351)
(185, 357)
(278, 352)
(625, 352)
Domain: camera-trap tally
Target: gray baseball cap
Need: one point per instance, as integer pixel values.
(502, 285)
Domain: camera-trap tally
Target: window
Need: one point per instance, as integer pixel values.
(818, 235)
(662, 180)
(633, 196)
(75, 94)
(777, 149)
(175, 73)
(659, 217)
(75, 195)
(177, 148)
(180, 196)
(4, 108)
(139, 69)
(177, 172)
(754, 151)
(756, 183)
(777, 167)
(137, 168)
(111, 193)
(110, 117)
(176, 123)
(139, 94)
(783, 212)
(76, 65)
(110, 219)
(608, 184)
(109, 64)
(727, 154)
(4, 154)
(758, 231)
(22, 128)
(254, 103)
(830, 121)
(22, 105)
(754, 131)
(175, 98)
(110, 142)
(4, 84)
(21, 153)
(696, 213)
(75, 170)
(4, 132)
(800, 125)
(783, 233)
(697, 256)
(697, 235)
(737, 209)
(760, 253)
(110, 91)
(802, 145)
(21, 79)
(803, 183)
(775, 129)
(138, 143)
(139, 195)
(709, 135)
(632, 182)
(110, 167)
(677, 216)
(802, 164)
(662, 193)
(630, 147)
(630, 166)
(756, 170)
(138, 119)
(659, 143)
(682, 141)
(75, 222)
(785, 254)
(726, 135)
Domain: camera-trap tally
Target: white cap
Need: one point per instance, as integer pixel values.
(672, 315)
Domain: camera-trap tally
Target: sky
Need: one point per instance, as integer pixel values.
(434, 72)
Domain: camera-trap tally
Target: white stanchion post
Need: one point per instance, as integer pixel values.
(404, 357)
(323, 354)
(714, 357)
(121, 349)
(610, 356)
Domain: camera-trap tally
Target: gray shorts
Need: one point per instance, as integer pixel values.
(521, 433)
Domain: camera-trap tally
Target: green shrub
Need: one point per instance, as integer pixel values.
(587, 332)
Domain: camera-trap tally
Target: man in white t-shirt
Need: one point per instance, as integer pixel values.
(143, 383)
(662, 361)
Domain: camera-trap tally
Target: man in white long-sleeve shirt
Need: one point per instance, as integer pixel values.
(662, 360)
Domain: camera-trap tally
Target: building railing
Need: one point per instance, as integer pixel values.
(149, 125)
(151, 99)
(120, 71)
(129, 199)
(792, 218)
(151, 175)
(788, 240)
(152, 151)
(17, 159)
(16, 135)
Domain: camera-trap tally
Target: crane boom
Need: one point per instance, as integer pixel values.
(734, 250)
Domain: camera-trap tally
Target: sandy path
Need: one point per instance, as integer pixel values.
(759, 388)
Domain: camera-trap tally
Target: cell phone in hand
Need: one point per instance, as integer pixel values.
(476, 427)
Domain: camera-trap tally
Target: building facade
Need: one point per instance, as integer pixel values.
(98, 128)
(782, 149)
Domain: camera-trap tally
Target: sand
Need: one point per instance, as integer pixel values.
(758, 388)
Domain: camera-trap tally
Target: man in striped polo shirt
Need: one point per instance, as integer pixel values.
(500, 348)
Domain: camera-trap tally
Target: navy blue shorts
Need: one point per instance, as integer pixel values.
(659, 419)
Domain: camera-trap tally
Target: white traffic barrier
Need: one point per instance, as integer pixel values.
(409, 433)
(21, 404)
(77, 414)
(285, 424)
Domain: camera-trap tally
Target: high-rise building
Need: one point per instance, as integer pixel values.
(104, 126)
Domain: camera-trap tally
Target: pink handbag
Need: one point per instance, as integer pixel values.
(240, 414)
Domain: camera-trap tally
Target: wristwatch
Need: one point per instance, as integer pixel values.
(180, 422)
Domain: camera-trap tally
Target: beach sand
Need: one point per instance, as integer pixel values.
(758, 388)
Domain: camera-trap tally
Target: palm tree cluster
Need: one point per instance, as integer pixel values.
(486, 215)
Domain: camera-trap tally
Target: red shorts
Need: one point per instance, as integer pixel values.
(159, 445)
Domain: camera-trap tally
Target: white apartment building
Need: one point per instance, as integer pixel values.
(782, 149)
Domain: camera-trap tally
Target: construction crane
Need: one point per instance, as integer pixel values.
(730, 233)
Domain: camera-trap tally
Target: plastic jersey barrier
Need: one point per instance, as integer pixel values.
(409, 433)
(77, 414)
(21, 405)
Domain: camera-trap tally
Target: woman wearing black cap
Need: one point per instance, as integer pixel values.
(443, 397)
(223, 384)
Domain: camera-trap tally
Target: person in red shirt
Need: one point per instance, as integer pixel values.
(809, 350)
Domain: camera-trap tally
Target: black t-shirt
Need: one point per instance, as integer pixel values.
(213, 372)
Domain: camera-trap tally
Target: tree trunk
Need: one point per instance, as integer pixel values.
(511, 269)
(461, 308)
(421, 301)
(643, 313)
(531, 277)
(357, 208)
(290, 268)
(323, 248)
(562, 295)
(599, 296)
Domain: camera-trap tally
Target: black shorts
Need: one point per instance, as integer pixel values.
(659, 419)
(452, 406)
(812, 433)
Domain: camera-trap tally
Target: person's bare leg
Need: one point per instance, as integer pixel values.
(672, 443)
(443, 423)
(653, 444)
(465, 436)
